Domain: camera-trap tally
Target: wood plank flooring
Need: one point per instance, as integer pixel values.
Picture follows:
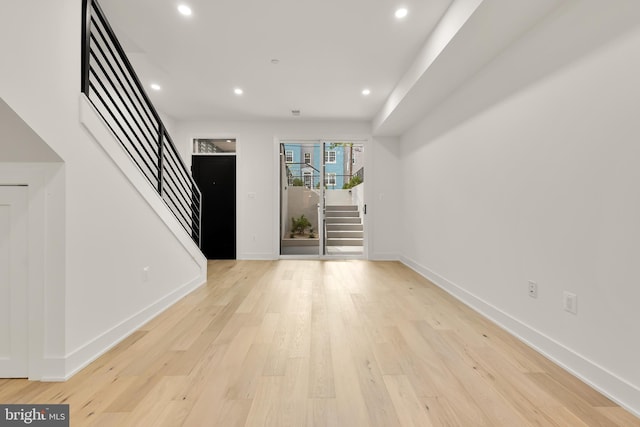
(321, 343)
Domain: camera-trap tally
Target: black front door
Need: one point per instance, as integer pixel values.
(216, 177)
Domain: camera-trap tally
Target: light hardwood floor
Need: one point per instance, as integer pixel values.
(321, 343)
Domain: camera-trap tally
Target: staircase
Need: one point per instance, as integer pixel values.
(343, 226)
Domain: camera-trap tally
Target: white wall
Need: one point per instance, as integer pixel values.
(168, 122)
(543, 186)
(383, 183)
(19, 143)
(257, 173)
(110, 227)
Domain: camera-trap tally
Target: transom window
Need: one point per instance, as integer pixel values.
(214, 146)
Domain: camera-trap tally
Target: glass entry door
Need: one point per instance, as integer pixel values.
(321, 198)
(344, 208)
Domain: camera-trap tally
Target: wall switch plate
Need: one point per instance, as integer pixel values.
(533, 289)
(570, 302)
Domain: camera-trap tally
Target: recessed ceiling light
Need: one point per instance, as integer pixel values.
(184, 9)
(155, 86)
(401, 13)
(238, 91)
(366, 92)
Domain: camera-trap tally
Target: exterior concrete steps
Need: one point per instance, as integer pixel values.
(339, 234)
(343, 226)
(342, 214)
(342, 220)
(342, 208)
(346, 241)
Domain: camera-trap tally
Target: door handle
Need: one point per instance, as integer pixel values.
(365, 209)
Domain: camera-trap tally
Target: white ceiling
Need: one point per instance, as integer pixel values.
(329, 50)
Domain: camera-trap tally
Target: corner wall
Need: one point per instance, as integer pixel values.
(541, 186)
(384, 187)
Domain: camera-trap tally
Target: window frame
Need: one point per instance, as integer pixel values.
(327, 157)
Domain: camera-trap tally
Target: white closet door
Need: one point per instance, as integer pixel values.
(14, 327)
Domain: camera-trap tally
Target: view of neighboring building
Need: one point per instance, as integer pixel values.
(354, 162)
(304, 162)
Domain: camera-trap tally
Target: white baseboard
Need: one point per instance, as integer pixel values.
(384, 256)
(83, 356)
(258, 256)
(617, 389)
(53, 370)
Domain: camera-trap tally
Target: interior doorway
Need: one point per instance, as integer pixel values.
(322, 204)
(14, 307)
(214, 171)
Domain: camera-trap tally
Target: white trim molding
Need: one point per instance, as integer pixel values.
(46, 266)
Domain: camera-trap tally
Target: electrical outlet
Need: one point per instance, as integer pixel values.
(145, 274)
(533, 289)
(570, 302)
